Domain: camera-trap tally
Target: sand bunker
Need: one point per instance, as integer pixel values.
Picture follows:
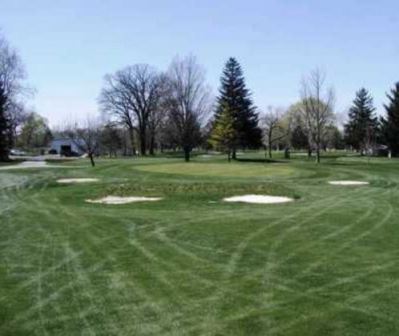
(77, 180)
(259, 199)
(123, 200)
(348, 183)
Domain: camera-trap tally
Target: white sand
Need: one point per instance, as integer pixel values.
(77, 180)
(348, 183)
(259, 199)
(123, 200)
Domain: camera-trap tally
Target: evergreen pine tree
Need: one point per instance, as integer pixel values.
(362, 123)
(223, 134)
(390, 124)
(236, 99)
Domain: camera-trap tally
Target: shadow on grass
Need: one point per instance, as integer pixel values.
(260, 160)
(11, 162)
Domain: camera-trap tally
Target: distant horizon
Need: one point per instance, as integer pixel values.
(67, 47)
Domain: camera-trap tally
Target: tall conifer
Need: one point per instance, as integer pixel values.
(235, 99)
(363, 122)
(390, 124)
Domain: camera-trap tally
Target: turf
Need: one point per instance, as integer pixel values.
(326, 264)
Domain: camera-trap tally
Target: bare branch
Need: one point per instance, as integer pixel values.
(317, 108)
(85, 136)
(131, 95)
(188, 102)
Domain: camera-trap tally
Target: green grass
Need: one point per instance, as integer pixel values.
(218, 169)
(326, 264)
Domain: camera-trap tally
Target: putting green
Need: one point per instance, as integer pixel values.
(222, 169)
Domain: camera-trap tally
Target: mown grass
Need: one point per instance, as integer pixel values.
(190, 264)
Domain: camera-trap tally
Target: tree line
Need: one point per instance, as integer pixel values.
(145, 110)
(165, 108)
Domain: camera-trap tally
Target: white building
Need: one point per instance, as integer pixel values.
(65, 146)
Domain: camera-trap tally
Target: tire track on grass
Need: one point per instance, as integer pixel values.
(39, 283)
(344, 280)
(56, 295)
(92, 241)
(303, 318)
(71, 257)
(335, 233)
(300, 296)
(268, 280)
(284, 234)
(348, 243)
(236, 256)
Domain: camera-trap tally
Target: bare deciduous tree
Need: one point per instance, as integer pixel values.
(188, 103)
(317, 108)
(114, 100)
(132, 95)
(11, 76)
(86, 137)
(17, 115)
(158, 115)
(273, 128)
(111, 139)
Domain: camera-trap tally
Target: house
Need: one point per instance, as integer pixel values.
(66, 147)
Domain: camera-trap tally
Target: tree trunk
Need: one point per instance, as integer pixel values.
(318, 144)
(187, 154)
(4, 143)
(309, 153)
(234, 154)
(287, 153)
(270, 149)
(143, 141)
(4, 155)
(131, 136)
(124, 149)
(4, 149)
(152, 144)
(318, 154)
(92, 160)
(229, 156)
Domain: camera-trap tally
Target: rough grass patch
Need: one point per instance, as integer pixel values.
(200, 189)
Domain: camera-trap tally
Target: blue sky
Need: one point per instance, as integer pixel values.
(68, 46)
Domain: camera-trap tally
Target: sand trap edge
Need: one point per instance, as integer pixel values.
(258, 199)
(349, 183)
(123, 200)
(77, 180)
